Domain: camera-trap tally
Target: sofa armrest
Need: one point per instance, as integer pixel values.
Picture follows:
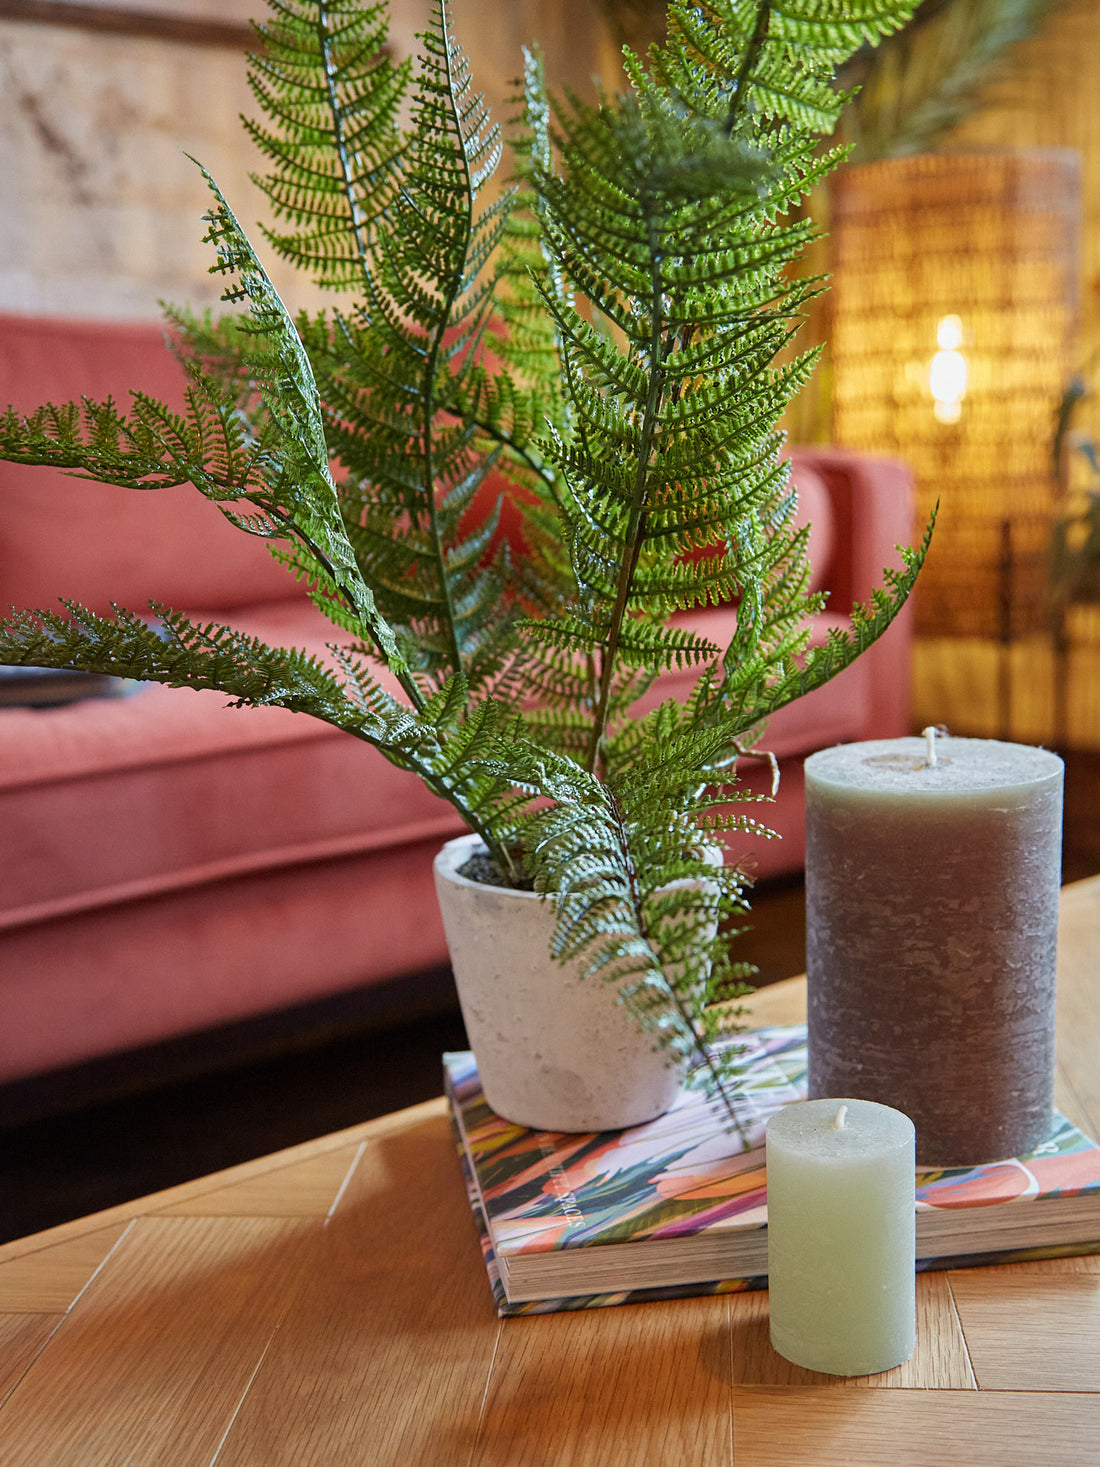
(872, 501)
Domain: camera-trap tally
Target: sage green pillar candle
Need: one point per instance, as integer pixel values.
(842, 1236)
(932, 877)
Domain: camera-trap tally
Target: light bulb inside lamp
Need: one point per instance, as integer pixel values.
(948, 373)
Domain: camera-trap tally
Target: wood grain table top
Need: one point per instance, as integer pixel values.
(328, 1305)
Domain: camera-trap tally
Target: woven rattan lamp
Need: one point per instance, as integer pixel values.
(955, 289)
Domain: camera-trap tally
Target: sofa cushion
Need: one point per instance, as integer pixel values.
(97, 543)
(815, 508)
(110, 801)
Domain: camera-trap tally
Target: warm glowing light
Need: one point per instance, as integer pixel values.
(948, 374)
(947, 412)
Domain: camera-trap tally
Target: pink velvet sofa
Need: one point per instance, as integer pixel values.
(169, 864)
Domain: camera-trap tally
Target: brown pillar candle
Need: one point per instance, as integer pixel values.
(932, 876)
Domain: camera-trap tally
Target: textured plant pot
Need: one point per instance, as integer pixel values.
(554, 1052)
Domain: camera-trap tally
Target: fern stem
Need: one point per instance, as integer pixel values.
(492, 842)
(450, 295)
(739, 96)
(682, 1008)
(404, 677)
(498, 435)
(635, 530)
(355, 214)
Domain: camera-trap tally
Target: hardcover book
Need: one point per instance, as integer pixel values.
(49, 687)
(679, 1205)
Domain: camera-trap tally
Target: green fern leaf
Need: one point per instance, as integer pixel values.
(333, 97)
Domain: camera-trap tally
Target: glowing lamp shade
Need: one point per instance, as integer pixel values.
(955, 290)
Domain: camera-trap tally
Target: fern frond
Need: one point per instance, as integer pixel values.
(664, 421)
(298, 490)
(419, 410)
(921, 82)
(821, 664)
(772, 59)
(333, 96)
(170, 648)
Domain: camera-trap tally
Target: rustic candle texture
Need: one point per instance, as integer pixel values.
(931, 935)
(841, 1236)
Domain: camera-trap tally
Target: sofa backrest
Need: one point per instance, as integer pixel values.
(816, 509)
(62, 536)
(96, 543)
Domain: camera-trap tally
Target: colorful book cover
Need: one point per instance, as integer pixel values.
(694, 1188)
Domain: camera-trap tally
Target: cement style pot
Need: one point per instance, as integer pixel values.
(554, 1052)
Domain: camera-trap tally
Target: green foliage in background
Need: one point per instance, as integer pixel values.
(916, 85)
(924, 80)
(598, 336)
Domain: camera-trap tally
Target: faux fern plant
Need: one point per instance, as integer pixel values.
(599, 335)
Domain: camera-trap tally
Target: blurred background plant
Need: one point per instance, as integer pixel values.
(1075, 544)
(1075, 538)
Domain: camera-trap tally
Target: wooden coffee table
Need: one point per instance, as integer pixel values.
(328, 1305)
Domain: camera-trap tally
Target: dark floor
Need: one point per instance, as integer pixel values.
(85, 1140)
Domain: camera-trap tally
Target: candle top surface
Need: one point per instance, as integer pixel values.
(962, 766)
(866, 1129)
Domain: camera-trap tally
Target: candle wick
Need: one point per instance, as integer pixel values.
(930, 744)
(838, 1124)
